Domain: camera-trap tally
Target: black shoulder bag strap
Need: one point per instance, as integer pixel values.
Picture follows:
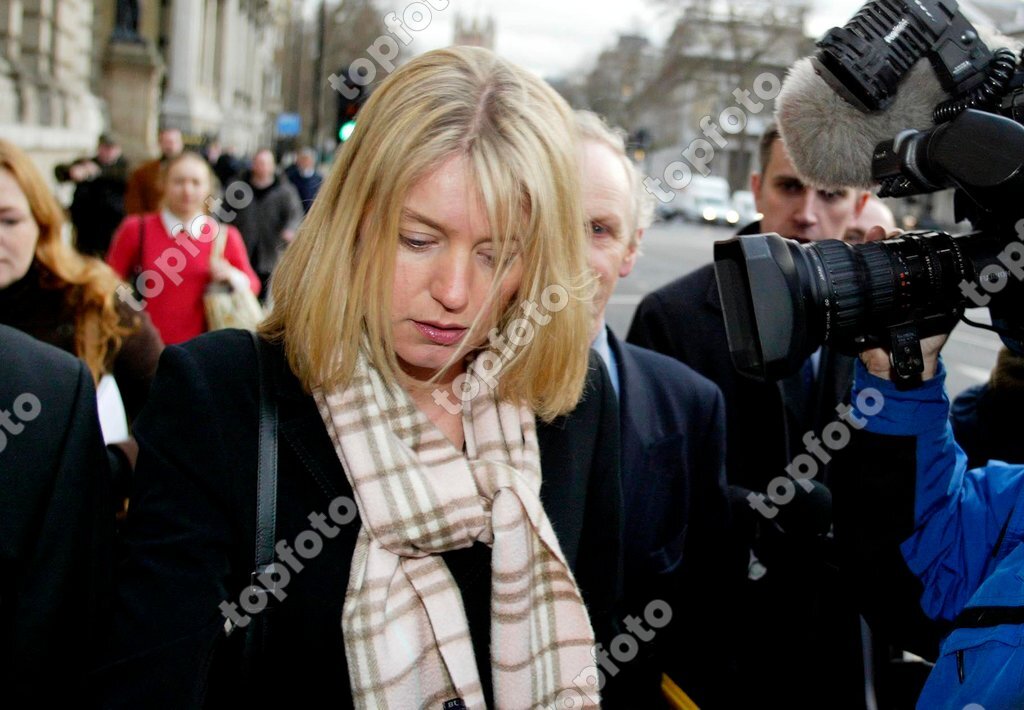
(139, 266)
(261, 581)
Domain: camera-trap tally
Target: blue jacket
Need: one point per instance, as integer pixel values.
(965, 548)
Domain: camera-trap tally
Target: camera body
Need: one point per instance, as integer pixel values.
(783, 300)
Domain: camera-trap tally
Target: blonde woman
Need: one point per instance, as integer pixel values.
(167, 253)
(448, 527)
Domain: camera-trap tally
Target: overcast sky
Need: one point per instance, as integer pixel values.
(558, 37)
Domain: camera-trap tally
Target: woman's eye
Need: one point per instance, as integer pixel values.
(598, 229)
(414, 243)
(491, 259)
(10, 221)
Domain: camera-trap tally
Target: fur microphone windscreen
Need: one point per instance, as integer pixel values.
(831, 142)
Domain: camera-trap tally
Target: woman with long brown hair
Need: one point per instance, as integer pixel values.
(61, 297)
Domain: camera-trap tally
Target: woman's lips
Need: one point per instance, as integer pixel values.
(440, 334)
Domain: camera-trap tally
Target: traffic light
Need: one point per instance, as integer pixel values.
(348, 107)
(346, 130)
(639, 143)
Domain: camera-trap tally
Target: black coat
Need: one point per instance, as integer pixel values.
(55, 524)
(765, 423)
(765, 420)
(676, 520)
(191, 526)
(97, 207)
(986, 424)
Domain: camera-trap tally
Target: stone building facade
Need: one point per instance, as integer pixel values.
(70, 69)
(47, 105)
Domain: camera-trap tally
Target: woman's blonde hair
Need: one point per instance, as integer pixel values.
(332, 288)
(88, 284)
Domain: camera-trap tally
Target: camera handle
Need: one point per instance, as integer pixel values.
(905, 352)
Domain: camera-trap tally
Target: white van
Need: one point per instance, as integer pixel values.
(706, 199)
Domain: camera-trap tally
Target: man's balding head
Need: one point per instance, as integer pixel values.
(875, 214)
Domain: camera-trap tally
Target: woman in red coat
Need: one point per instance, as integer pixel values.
(167, 254)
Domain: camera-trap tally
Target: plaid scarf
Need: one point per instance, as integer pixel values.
(406, 635)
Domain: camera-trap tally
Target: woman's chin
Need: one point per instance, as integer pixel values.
(423, 366)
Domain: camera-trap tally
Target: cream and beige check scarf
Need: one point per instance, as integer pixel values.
(406, 635)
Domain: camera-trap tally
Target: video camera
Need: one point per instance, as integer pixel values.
(783, 300)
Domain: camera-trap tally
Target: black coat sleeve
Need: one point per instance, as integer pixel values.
(56, 533)
(179, 538)
(873, 503)
(698, 649)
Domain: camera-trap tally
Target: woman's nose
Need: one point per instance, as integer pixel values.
(450, 281)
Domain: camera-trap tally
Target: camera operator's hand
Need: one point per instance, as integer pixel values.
(878, 363)
(877, 360)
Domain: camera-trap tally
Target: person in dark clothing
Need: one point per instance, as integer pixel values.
(227, 166)
(788, 557)
(55, 294)
(673, 459)
(304, 176)
(268, 223)
(986, 417)
(472, 552)
(98, 203)
(55, 528)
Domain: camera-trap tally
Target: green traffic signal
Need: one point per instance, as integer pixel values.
(346, 130)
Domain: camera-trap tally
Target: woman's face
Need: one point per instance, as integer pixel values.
(188, 185)
(444, 268)
(18, 231)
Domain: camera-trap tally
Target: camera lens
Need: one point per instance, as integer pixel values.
(869, 287)
(783, 300)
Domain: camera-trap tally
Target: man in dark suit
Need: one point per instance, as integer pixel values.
(55, 523)
(798, 637)
(673, 447)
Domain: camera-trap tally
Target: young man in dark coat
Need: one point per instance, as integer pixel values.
(799, 641)
(673, 459)
(56, 526)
